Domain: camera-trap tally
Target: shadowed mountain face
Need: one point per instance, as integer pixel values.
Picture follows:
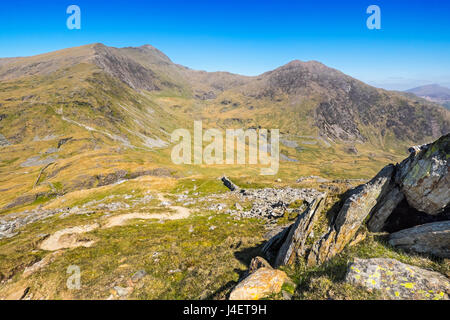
(113, 91)
(433, 92)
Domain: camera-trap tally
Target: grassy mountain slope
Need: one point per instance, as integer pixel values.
(62, 108)
(85, 138)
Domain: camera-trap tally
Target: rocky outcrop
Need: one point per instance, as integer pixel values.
(384, 208)
(431, 238)
(294, 240)
(63, 141)
(129, 71)
(396, 280)
(420, 190)
(229, 184)
(274, 203)
(25, 199)
(11, 223)
(414, 192)
(356, 207)
(259, 284)
(111, 178)
(424, 177)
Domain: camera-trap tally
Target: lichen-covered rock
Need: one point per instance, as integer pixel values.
(396, 280)
(354, 211)
(431, 238)
(383, 209)
(295, 243)
(424, 177)
(259, 284)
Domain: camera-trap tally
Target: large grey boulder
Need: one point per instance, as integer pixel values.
(384, 208)
(396, 280)
(355, 209)
(431, 238)
(424, 177)
(294, 244)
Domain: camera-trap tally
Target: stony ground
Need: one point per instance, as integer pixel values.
(166, 238)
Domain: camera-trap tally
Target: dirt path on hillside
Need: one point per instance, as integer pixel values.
(180, 213)
(70, 237)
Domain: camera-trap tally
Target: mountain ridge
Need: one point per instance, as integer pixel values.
(433, 92)
(336, 106)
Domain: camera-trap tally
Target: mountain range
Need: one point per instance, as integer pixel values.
(78, 110)
(433, 92)
(300, 97)
(93, 207)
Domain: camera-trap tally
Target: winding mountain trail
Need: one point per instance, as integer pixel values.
(181, 213)
(69, 237)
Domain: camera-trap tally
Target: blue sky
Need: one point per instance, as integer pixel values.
(250, 37)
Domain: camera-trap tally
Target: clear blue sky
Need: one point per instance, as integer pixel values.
(250, 37)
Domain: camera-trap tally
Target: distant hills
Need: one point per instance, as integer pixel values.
(112, 90)
(75, 117)
(433, 92)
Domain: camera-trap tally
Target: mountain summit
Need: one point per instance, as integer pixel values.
(119, 92)
(299, 97)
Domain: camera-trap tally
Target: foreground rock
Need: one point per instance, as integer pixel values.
(401, 196)
(291, 243)
(424, 177)
(260, 284)
(356, 207)
(431, 238)
(383, 209)
(423, 180)
(397, 280)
